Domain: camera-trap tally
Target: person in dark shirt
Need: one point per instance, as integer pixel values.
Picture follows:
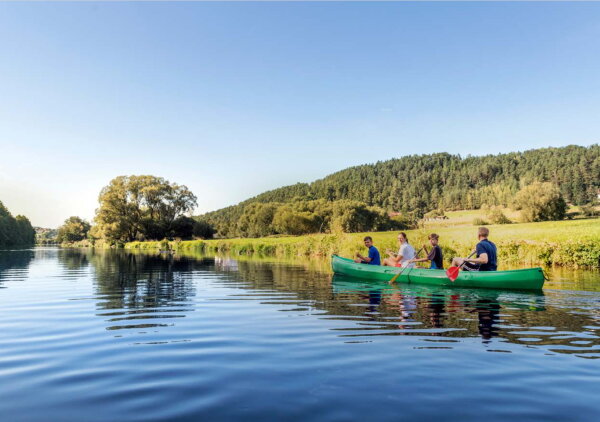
(435, 255)
(486, 255)
(373, 258)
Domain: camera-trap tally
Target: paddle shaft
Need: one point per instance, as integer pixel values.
(401, 271)
(465, 261)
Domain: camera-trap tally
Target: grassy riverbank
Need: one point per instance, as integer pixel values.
(565, 243)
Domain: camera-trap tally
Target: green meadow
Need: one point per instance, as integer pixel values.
(569, 243)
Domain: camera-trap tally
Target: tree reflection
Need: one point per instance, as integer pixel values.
(138, 291)
(14, 264)
(130, 280)
(72, 259)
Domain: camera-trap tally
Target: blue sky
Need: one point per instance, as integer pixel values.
(233, 99)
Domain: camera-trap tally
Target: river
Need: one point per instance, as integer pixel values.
(113, 335)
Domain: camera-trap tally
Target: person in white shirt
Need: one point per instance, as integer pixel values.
(404, 255)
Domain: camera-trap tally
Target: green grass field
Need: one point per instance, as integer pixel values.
(570, 243)
(466, 217)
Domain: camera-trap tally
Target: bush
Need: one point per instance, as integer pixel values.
(541, 202)
(435, 213)
(589, 210)
(480, 222)
(496, 216)
(403, 222)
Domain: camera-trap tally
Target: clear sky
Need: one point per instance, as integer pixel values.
(232, 99)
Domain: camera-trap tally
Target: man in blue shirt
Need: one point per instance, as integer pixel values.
(486, 255)
(373, 258)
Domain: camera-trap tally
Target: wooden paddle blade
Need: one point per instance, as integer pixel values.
(452, 273)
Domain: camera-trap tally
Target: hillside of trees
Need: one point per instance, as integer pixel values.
(417, 184)
(15, 231)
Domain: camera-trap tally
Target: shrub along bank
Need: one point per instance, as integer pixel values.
(566, 243)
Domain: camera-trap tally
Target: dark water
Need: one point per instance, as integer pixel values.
(111, 336)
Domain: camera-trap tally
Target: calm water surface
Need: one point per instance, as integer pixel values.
(112, 336)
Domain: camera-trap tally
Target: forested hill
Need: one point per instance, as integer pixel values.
(441, 180)
(420, 183)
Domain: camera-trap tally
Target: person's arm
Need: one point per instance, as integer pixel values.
(430, 256)
(363, 258)
(481, 259)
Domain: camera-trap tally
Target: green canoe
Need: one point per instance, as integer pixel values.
(527, 279)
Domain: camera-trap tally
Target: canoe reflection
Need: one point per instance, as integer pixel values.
(437, 311)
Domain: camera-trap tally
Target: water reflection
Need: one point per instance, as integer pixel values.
(73, 260)
(488, 312)
(14, 265)
(150, 336)
(557, 321)
(137, 291)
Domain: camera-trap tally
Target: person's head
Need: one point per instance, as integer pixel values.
(433, 239)
(368, 241)
(402, 237)
(483, 233)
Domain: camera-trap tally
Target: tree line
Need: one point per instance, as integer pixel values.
(303, 217)
(417, 184)
(138, 208)
(387, 195)
(15, 231)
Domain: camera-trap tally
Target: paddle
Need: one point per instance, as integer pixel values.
(452, 272)
(401, 271)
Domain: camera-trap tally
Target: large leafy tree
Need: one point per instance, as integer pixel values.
(142, 207)
(73, 229)
(541, 202)
(256, 220)
(292, 221)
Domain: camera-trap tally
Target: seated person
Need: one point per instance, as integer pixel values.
(404, 255)
(435, 255)
(486, 259)
(373, 258)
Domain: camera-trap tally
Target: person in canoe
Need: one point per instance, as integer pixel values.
(486, 255)
(404, 256)
(435, 255)
(373, 258)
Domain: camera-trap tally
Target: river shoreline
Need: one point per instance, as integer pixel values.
(564, 250)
